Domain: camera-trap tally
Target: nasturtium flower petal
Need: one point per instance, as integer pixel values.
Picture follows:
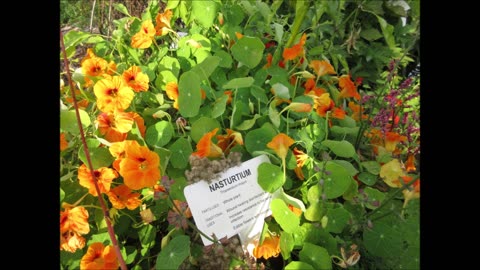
(171, 89)
(348, 87)
(269, 248)
(113, 94)
(206, 148)
(280, 144)
(63, 142)
(391, 171)
(136, 79)
(99, 256)
(321, 67)
(140, 167)
(103, 175)
(122, 196)
(162, 21)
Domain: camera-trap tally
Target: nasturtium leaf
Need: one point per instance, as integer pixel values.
(181, 151)
(270, 177)
(203, 125)
(284, 216)
(164, 77)
(372, 166)
(62, 194)
(177, 250)
(172, 4)
(367, 178)
(340, 148)
(233, 14)
(205, 68)
(147, 234)
(121, 8)
(129, 253)
(297, 265)
(225, 59)
(274, 115)
(100, 157)
(286, 244)
(169, 63)
(164, 155)
(247, 124)
(347, 166)
(239, 83)
(219, 106)
(68, 121)
(383, 239)
(337, 182)
(103, 238)
(342, 131)
(318, 236)
(249, 51)
(259, 94)
(176, 190)
(315, 210)
(257, 139)
(316, 256)
(189, 94)
(204, 12)
(281, 91)
(375, 197)
(159, 134)
(347, 121)
(337, 219)
(351, 191)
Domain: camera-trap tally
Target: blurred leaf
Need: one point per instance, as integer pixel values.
(347, 166)
(284, 216)
(203, 125)
(296, 265)
(225, 59)
(219, 106)
(286, 244)
(257, 139)
(68, 121)
(372, 166)
(181, 151)
(172, 256)
(248, 124)
(337, 219)
(206, 67)
(375, 197)
(100, 157)
(340, 148)
(316, 256)
(249, 51)
(121, 8)
(238, 83)
(270, 177)
(337, 182)
(367, 178)
(189, 94)
(204, 12)
(159, 134)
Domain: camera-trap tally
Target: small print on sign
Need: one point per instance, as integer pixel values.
(232, 204)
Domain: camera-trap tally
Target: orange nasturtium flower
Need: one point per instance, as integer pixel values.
(113, 94)
(301, 159)
(114, 126)
(99, 256)
(94, 66)
(296, 50)
(280, 144)
(325, 104)
(136, 79)
(73, 223)
(206, 148)
(163, 23)
(348, 87)
(412, 191)
(143, 38)
(391, 171)
(104, 177)
(392, 139)
(295, 210)
(117, 150)
(299, 107)
(232, 138)
(122, 197)
(356, 111)
(63, 142)
(172, 92)
(140, 167)
(269, 248)
(321, 67)
(410, 163)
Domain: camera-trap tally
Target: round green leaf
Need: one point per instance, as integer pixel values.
(225, 59)
(202, 126)
(172, 256)
(189, 94)
(340, 148)
(257, 139)
(296, 265)
(284, 216)
(337, 219)
(384, 239)
(337, 182)
(347, 165)
(249, 51)
(316, 256)
(181, 151)
(367, 178)
(374, 195)
(318, 236)
(159, 134)
(204, 12)
(100, 157)
(372, 166)
(68, 121)
(270, 177)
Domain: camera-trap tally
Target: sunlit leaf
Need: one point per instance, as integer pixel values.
(172, 256)
(249, 51)
(189, 94)
(270, 177)
(316, 256)
(68, 121)
(181, 151)
(159, 134)
(284, 216)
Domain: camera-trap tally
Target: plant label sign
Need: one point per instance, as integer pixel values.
(232, 204)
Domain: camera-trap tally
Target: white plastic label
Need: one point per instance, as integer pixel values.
(233, 203)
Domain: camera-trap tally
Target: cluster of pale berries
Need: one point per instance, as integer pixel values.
(205, 169)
